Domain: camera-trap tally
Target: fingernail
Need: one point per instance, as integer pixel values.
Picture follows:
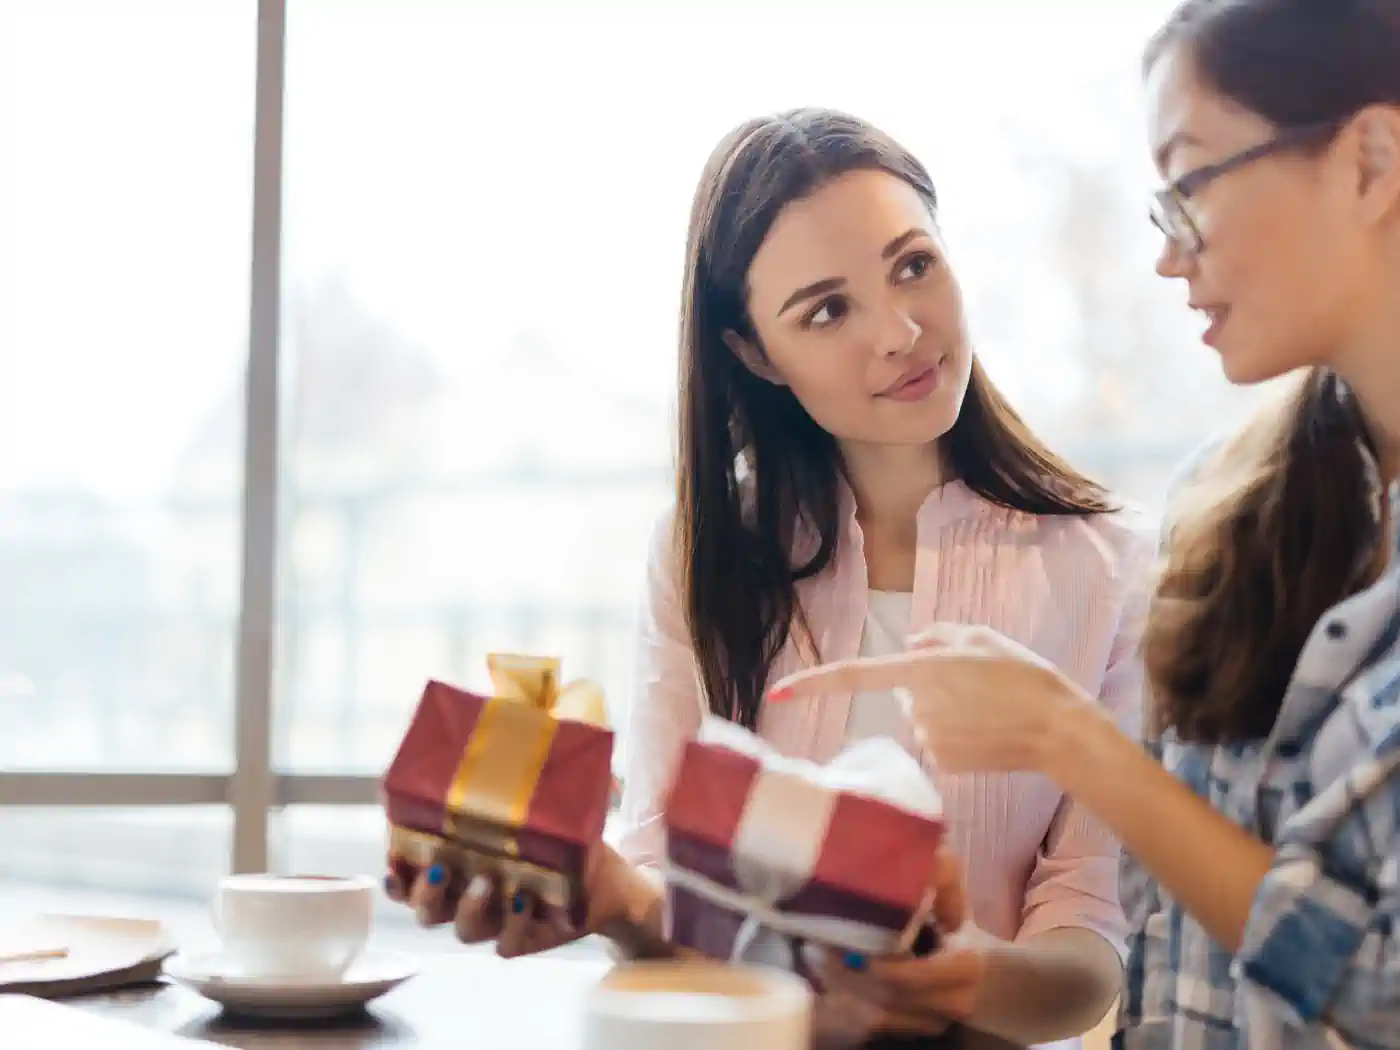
(780, 692)
(437, 875)
(479, 887)
(517, 903)
(391, 884)
(853, 961)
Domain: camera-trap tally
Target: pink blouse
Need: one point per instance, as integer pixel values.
(1071, 589)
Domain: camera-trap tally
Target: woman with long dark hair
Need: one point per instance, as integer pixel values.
(847, 473)
(1264, 887)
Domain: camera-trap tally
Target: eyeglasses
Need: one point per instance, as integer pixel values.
(1169, 212)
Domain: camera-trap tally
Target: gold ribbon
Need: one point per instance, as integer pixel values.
(499, 769)
(490, 791)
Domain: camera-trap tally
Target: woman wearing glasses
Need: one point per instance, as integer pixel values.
(1264, 886)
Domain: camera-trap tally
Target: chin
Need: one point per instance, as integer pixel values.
(1240, 375)
(932, 426)
(1246, 365)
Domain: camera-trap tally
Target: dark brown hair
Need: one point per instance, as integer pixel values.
(1282, 522)
(751, 462)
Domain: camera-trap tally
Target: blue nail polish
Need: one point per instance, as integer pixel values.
(853, 961)
(391, 884)
(436, 875)
(517, 903)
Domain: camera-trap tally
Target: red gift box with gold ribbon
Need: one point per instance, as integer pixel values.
(516, 784)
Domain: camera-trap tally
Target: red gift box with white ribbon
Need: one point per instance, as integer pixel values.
(765, 852)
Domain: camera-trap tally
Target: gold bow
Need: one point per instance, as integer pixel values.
(534, 680)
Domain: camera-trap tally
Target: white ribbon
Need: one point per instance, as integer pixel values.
(780, 834)
(877, 768)
(820, 929)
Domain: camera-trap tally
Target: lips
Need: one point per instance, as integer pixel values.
(1216, 315)
(916, 383)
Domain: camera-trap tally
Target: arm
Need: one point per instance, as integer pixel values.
(1146, 969)
(1322, 940)
(1154, 815)
(663, 715)
(1064, 969)
(665, 709)
(1062, 972)
(1051, 985)
(1313, 924)
(638, 927)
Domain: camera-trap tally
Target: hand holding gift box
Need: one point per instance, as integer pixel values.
(515, 785)
(762, 848)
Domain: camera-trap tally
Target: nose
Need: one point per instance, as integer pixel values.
(898, 333)
(1172, 260)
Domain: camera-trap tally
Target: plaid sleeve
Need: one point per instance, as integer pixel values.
(1320, 944)
(1148, 971)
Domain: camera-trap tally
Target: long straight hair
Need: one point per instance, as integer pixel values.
(751, 462)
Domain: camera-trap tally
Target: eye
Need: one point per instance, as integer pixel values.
(827, 312)
(916, 266)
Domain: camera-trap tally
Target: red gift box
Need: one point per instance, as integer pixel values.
(499, 784)
(756, 841)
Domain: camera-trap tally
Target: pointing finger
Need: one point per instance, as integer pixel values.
(901, 670)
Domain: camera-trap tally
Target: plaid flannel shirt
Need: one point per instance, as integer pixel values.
(1320, 962)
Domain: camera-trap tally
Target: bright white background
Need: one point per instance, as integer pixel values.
(484, 219)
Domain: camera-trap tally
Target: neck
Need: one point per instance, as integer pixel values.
(891, 482)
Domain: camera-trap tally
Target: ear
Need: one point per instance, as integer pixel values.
(1378, 140)
(752, 357)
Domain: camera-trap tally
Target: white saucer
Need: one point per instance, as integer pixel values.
(375, 972)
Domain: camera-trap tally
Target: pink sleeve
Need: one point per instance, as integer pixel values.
(665, 709)
(1075, 880)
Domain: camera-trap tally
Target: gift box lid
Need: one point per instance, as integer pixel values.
(565, 789)
(832, 826)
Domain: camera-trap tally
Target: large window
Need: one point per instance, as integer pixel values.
(446, 247)
(125, 233)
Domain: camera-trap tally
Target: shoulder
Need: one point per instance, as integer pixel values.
(1369, 713)
(1194, 465)
(1090, 569)
(663, 532)
(663, 563)
(1126, 538)
(1117, 545)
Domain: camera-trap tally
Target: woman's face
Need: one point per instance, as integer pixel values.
(1285, 261)
(857, 312)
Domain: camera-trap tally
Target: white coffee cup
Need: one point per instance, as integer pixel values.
(293, 927)
(698, 1005)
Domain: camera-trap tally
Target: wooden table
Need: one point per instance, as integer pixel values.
(466, 1001)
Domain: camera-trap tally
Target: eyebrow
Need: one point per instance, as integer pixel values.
(811, 291)
(1174, 142)
(901, 242)
(830, 284)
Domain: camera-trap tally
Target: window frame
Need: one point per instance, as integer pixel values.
(254, 790)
